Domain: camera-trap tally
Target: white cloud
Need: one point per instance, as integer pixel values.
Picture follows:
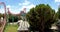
(15, 9)
(56, 10)
(11, 9)
(2, 10)
(25, 3)
(30, 6)
(8, 6)
(57, 0)
(27, 7)
(20, 4)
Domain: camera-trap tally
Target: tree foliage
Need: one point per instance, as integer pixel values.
(1, 15)
(13, 18)
(41, 17)
(58, 12)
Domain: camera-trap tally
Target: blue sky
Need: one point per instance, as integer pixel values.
(17, 5)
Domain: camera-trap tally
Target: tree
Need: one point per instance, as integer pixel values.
(1, 15)
(41, 17)
(13, 18)
(58, 12)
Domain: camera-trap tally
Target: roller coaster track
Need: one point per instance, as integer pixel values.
(4, 20)
(3, 25)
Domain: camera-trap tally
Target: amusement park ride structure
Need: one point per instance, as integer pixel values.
(5, 15)
(5, 18)
(22, 14)
(2, 3)
(23, 11)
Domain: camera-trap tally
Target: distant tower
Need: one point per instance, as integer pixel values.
(8, 11)
(23, 14)
(24, 10)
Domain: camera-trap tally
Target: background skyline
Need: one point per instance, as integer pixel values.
(16, 6)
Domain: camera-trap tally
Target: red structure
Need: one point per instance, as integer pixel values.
(2, 3)
(4, 21)
(24, 11)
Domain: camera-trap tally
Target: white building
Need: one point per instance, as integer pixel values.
(23, 25)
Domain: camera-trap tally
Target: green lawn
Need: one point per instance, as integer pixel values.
(11, 28)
